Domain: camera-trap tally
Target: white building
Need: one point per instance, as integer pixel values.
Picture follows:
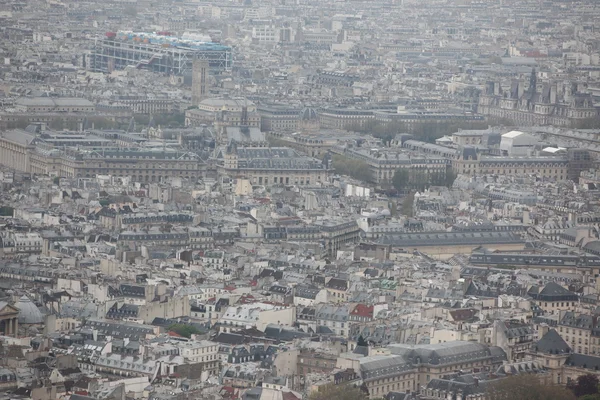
(517, 143)
(265, 34)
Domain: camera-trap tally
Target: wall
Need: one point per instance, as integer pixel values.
(285, 317)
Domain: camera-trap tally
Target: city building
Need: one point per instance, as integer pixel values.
(155, 52)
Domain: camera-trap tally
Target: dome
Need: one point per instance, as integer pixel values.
(309, 114)
(28, 312)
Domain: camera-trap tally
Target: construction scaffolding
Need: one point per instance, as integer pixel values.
(166, 55)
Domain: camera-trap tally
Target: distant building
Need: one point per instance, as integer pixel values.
(279, 118)
(409, 367)
(26, 152)
(200, 72)
(530, 107)
(269, 166)
(155, 52)
(223, 113)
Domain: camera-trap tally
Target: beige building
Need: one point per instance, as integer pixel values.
(469, 162)
(269, 166)
(444, 245)
(530, 107)
(405, 368)
(53, 104)
(342, 118)
(25, 152)
(565, 365)
(383, 163)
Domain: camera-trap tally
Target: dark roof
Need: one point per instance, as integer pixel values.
(337, 284)
(583, 361)
(364, 350)
(465, 314)
(283, 334)
(552, 343)
(552, 292)
(306, 292)
(449, 238)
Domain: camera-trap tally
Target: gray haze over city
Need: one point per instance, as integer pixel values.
(299, 199)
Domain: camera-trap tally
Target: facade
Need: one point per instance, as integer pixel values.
(224, 113)
(411, 118)
(384, 164)
(310, 361)
(145, 105)
(23, 151)
(339, 233)
(580, 331)
(553, 298)
(279, 118)
(342, 118)
(9, 322)
(514, 337)
(564, 364)
(530, 107)
(157, 53)
(269, 166)
(53, 104)
(408, 367)
(443, 245)
(469, 162)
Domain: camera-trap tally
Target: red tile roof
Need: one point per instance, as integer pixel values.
(363, 310)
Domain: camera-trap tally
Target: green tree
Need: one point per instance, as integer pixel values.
(57, 124)
(101, 123)
(526, 387)
(589, 123)
(19, 123)
(338, 392)
(590, 397)
(407, 205)
(183, 330)
(584, 385)
(401, 179)
(450, 177)
(357, 169)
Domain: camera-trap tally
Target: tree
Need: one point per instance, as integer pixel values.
(590, 397)
(584, 385)
(588, 123)
(450, 177)
(338, 392)
(401, 179)
(407, 205)
(57, 124)
(357, 169)
(101, 123)
(184, 330)
(526, 387)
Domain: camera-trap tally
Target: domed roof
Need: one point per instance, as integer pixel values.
(308, 114)
(28, 312)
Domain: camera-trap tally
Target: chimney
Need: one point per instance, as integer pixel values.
(553, 90)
